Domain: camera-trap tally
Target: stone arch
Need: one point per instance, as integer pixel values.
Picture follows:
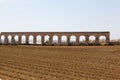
(9, 39)
(64, 39)
(72, 39)
(46, 38)
(61, 37)
(82, 39)
(23, 39)
(92, 39)
(55, 39)
(2, 39)
(102, 40)
(31, 39)
(16, 39)
(39, 39)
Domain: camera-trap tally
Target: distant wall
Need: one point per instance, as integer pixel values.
(10, 37)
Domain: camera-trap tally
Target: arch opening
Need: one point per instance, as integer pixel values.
(31, 39)
(38, 39)
(92, 39)
(64, 39)
(46, 39)
(72, 39)
(2, 39)
(23, 40)
(55, 39)
(82, 39)
(9, 39)
(16, 39)
(102, 40)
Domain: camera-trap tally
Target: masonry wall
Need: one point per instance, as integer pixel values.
(51, 34)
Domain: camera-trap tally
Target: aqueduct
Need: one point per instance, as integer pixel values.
(50, 38)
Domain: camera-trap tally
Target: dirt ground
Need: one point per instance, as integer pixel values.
(60, 62)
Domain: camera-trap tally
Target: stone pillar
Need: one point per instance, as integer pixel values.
(68, 39)
(20, 39)
(42, 38)
(6, 40)
(77, 40)
(35, 40)
(27, 39)
(87, 40)
(97, 40)
(59, 40)
(50, 40)
(12, 40)
(107, 40)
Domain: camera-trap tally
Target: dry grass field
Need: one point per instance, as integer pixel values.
(60, 63)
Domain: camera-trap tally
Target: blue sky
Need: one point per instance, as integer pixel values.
(60, 15)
